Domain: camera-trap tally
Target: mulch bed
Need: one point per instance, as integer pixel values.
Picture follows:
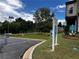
(72, 37)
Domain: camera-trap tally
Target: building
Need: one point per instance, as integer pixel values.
(72, 14)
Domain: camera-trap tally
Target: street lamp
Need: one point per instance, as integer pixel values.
(10, 17)
(7, 34)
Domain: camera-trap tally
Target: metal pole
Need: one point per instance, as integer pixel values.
(53, 43)
(8, 28)
(8, 31)
(56, 32)
(6, 34)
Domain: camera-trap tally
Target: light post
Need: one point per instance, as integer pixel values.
(7, 34)
(10, 17)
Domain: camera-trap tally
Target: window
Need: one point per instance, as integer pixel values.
(71, 10)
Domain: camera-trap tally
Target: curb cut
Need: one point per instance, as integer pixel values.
(31, 50)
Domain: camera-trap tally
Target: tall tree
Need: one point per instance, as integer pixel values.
(43, 19)
(5, 26)
(60, 24)
(41, 14)
(24, 26)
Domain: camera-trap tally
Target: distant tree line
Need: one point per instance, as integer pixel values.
(43, 23)
(17, 26)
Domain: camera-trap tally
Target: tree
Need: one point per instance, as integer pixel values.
(5, 27)
(66, 30)
(17, 26)
(43, 20)
(22, 26)
(0, 27)
(30, 26)
(59, 25)
(41, 14)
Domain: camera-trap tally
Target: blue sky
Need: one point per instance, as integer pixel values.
(26, 8)
(32, 5)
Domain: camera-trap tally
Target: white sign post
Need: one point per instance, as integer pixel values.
(54, 33)
(53, 43)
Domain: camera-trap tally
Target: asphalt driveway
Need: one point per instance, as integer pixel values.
(15, 47)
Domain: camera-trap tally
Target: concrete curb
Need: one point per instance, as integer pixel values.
(29, 52)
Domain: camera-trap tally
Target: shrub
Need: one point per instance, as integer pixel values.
(66, 30)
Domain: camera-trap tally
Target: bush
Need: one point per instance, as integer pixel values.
(66, 30)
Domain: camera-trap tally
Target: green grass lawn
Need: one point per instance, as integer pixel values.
(41, 36)
(63, 51)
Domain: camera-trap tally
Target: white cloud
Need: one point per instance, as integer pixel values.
(33, 11)
(4, 7)
(15, 3)
(7, 10)
(59, 8)
(9, 7)
(27, 16)
(63, 21)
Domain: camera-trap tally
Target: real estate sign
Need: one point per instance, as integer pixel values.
(54, 33)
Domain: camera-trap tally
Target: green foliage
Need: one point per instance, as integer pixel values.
(59, 25)
(5, 26)
(43, 20)
(66, 30)
(17, 26)
(42, 14)
(45, 26)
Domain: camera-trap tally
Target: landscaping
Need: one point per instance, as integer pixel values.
(67, 49)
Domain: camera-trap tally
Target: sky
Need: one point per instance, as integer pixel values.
(26, 8)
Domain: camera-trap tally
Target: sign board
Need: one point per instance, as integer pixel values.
(54, 33)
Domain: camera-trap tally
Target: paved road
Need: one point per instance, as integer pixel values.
(15, 48)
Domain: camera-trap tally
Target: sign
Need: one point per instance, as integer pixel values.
(54, 33)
